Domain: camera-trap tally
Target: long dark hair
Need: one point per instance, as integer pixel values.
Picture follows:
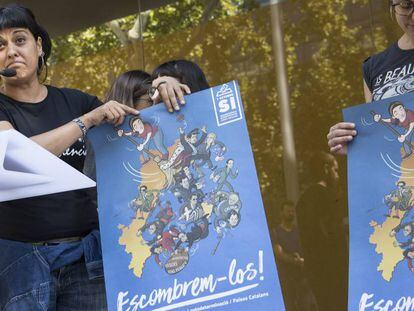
(187, 72)
(16, 16)
(129, 87)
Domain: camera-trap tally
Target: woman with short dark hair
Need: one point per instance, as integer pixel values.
(185, 71)
(50, 246)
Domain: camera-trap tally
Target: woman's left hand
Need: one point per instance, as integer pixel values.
(170, 91)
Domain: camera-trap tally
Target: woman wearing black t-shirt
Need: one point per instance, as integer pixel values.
(49, 245)
(389, 73)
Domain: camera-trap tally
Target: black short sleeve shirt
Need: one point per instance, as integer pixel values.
(389, 73)
(66, 214)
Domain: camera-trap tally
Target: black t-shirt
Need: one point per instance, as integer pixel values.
(320, 216)
(66, 214)
(323, 241)
(389, 73)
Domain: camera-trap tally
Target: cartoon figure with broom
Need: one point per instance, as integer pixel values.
(400, 117)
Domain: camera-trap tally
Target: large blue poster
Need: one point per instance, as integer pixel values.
(181, 215)
(380, 192)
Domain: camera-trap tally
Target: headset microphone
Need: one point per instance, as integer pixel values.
(8, 72)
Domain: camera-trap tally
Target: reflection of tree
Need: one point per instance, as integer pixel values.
(326, 42)
(229, 39)
(326, 46)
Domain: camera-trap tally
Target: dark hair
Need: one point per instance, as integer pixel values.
(154, 247)
(394, 105)
(181, 177)
(132, 120)
(192, 132)
(231, 213)
(129, 87)
(16, 16)
(187, 72)
(317, 163)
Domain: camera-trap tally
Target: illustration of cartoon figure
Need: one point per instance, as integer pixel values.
(161, 221)
(190, 143)
(227, 201)
(408, 231)
(220, 176)
(228, 220)
(399, 199)
(198, 231)
(165, 245)
(154, 228)
(166, 214)
(171, 231)
(144, 202)
(204, 152)
(156, 250)
(187, 172)
(401, 117)
(149, 134)
(192, 210)
(186, 185)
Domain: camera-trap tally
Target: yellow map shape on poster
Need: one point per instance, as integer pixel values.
(135, 244)
(391, 255)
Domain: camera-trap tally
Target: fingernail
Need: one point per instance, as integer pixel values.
(177, 107)
(170, 110)
(354, 132)
(183, 102)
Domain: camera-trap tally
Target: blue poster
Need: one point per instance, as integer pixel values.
(181, 215)
(380, 192)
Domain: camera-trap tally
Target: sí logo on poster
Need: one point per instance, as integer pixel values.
(226, 104)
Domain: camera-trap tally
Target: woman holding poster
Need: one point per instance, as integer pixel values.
(386, 74)
(50, 245)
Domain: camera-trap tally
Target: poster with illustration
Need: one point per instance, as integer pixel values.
(181, 215)
(380, 192)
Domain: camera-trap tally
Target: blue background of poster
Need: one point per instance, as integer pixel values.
(116, 188)
(370, 179)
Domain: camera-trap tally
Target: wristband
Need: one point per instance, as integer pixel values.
(81, 125)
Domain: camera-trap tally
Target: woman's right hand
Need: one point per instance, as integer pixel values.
(111, 112)
(339, 135)
(170, 91)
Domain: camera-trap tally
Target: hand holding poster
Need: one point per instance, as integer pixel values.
(181, 216)
(381, 179)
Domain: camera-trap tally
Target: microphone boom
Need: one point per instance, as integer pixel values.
(8, 72)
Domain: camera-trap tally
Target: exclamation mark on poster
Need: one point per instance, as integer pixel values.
(261, 265)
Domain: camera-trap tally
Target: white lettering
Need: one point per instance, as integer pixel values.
(193, 288)
(378, 80)
(72, 152)
(388, 77)
(367, 303)
(238, 277)
(121, 302)
(395, 73)
(223, 105)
